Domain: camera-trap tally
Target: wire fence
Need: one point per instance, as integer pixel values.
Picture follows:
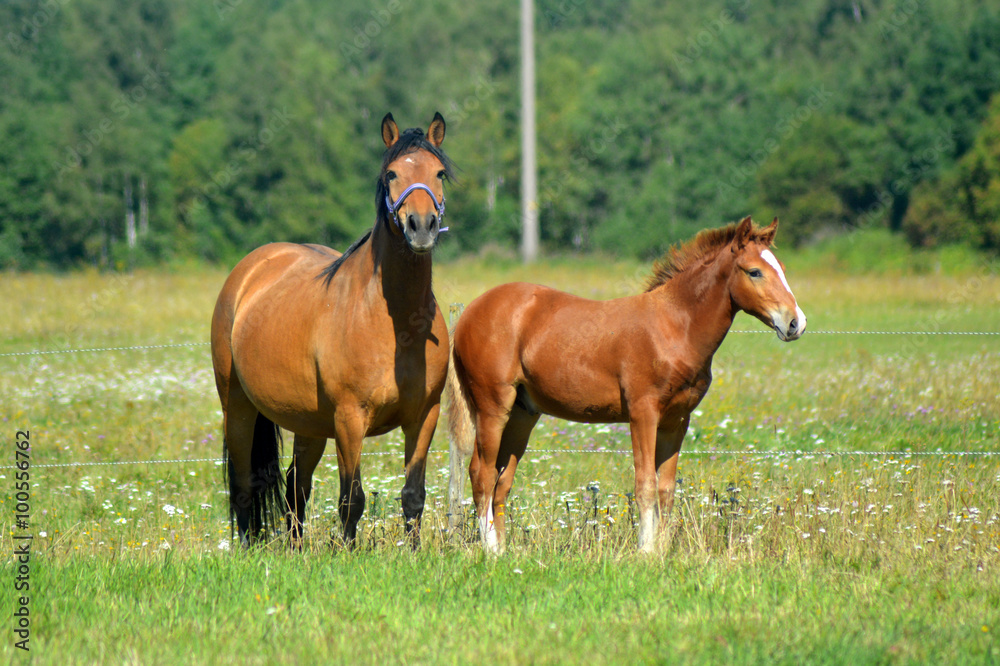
(694, 452)
(40, 352)
(172, 345)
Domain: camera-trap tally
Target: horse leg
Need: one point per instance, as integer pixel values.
(477, 494)
(473, 476)
(239, 419)
(306, 454)
(350, 429)
(418, 441)
(484, 475)
(668, 449)
(643, 429)
(513, 442)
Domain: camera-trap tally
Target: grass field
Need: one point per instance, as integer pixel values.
(824, 555)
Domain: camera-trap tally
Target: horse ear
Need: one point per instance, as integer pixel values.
(768, 232)
(390, 133)
(435, 133)
(742, 233)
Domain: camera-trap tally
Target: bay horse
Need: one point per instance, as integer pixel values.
(342, 346)
(522, 350)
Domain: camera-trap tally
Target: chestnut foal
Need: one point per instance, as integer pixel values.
(522, 350)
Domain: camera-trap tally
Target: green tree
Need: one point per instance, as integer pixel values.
(963, 205)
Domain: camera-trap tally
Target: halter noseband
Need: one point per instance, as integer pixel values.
(394, 207)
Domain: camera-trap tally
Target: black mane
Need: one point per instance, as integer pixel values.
(327, 274)
(410, 141)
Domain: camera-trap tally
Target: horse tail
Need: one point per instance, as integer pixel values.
(460, 426)
(265, 503)
(461, 436)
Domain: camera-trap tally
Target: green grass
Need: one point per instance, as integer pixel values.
(795, 558)
(451, 606)
(880, 251)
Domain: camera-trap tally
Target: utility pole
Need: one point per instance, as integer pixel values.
(529, 168)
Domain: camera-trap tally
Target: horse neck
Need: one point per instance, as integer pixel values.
(702, 293)
(404, 278)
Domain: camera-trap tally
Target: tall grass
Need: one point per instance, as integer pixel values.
(823, 555)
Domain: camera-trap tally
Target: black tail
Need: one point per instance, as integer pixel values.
(258, 513)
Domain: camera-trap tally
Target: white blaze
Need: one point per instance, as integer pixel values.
(769, 257)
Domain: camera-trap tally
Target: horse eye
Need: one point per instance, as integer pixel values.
(755, 273)
(390, 175)
(441, 175)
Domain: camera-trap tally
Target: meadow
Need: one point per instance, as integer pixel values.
(829, 509)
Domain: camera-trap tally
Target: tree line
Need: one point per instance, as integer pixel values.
(142, 131)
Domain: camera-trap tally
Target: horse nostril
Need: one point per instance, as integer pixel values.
(433, 223)
(411, 221)
(793, 325)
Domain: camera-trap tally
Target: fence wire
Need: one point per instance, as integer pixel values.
(695, 452)
(532, 452)
(42, 352)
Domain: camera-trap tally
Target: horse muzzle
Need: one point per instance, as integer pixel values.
(789, 325)
(421, 232)
(419, 229)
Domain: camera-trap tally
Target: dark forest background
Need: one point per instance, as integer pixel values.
(144, 131)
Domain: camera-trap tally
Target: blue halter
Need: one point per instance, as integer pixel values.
(393, 207)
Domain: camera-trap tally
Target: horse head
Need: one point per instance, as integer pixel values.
(758, 285)
(410, 193)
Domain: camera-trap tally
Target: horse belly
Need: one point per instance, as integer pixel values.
(576, 396)
(285, 391)
(573, 378)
